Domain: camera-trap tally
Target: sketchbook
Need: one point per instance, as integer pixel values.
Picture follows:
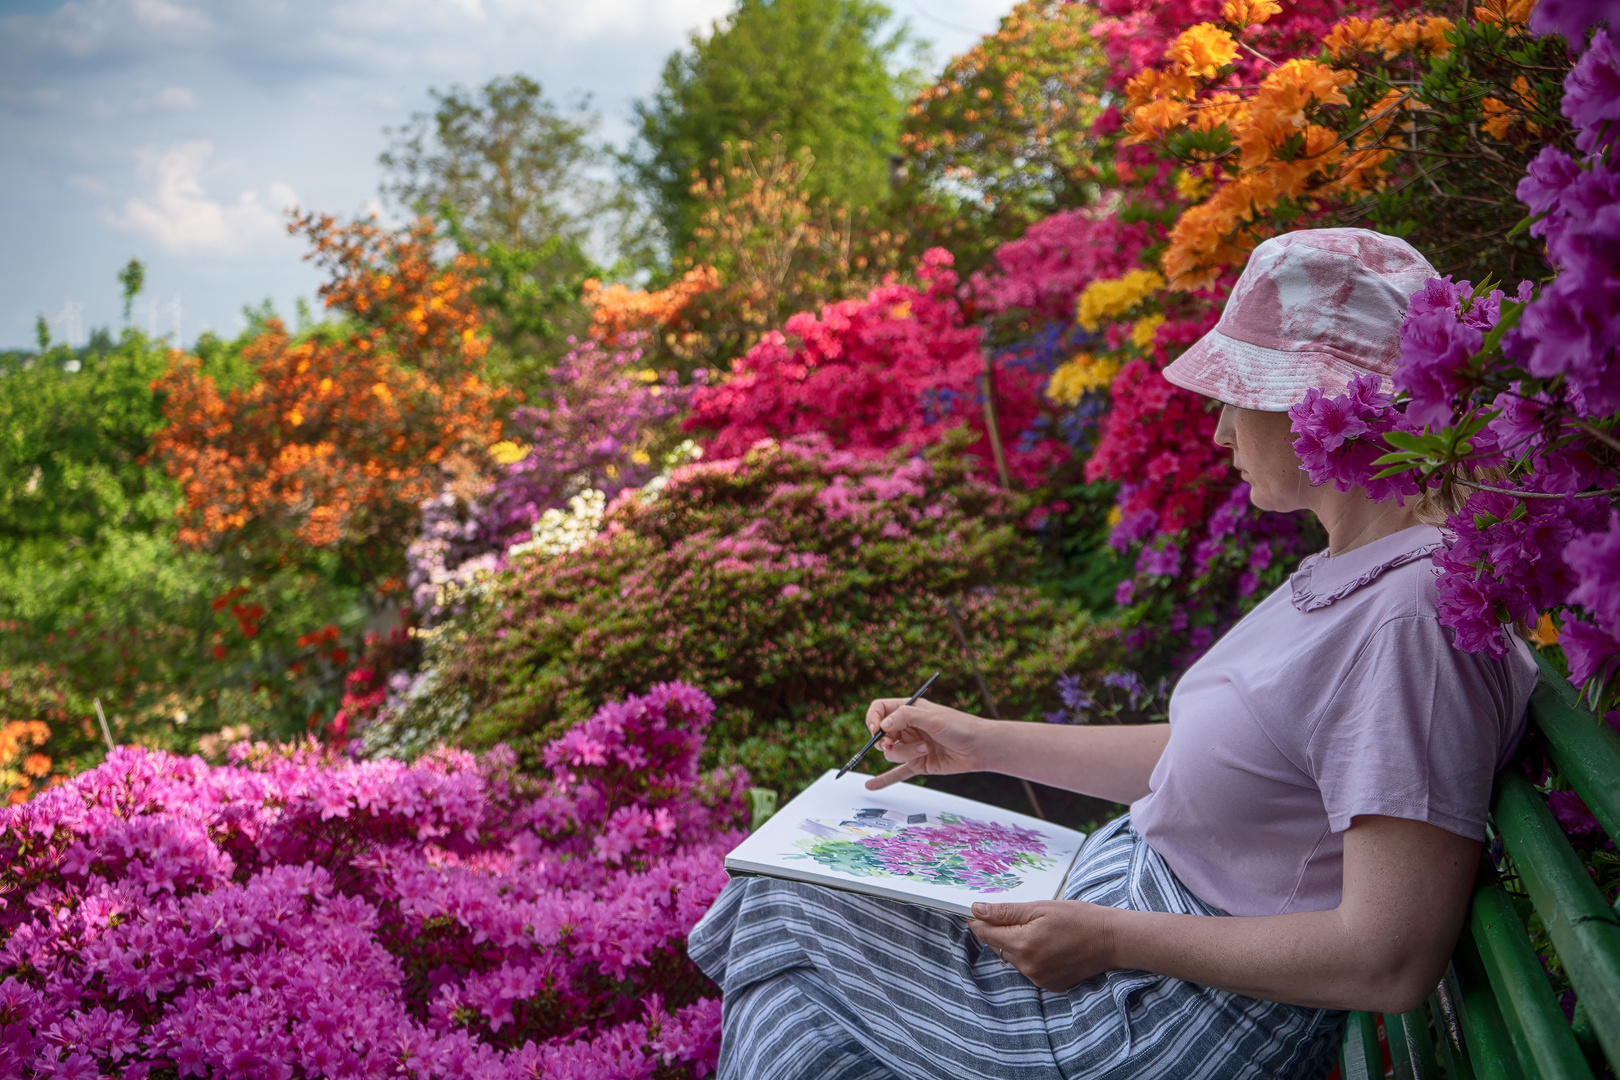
(911, 844)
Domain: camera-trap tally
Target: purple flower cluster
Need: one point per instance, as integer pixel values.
(1572, 330)
(594, 432)
(290, 916)
(1339, 436)
(1593, 648)
(1508, 563)
(1445, 327)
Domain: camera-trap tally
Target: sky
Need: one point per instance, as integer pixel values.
(178, 132)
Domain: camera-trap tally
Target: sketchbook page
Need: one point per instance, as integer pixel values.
(910, 843)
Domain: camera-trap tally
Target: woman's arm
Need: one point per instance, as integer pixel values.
(1110, 761)
(1383, 949)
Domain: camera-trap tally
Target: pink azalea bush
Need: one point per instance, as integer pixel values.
(287, 915)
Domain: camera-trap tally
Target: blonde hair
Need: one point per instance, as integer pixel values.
(1435, 504)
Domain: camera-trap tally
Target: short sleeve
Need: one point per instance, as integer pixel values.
(1417, 729)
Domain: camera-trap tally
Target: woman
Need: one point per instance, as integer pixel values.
(1323, 781)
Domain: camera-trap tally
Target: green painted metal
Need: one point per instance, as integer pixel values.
(1411, 1045)
(1359, 1056)
(1584, 929)
(1541, 1038)
(1453, 1054)
(1586, 750)
(1490, 1051)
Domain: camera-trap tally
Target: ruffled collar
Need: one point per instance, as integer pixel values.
(1322, 579)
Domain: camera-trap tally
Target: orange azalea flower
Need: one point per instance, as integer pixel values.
(1149, 121)
(1425, 34)
(1356, 35)
(1241, 13)
(1500, 117)
(1202, 50)
(1151, 83)
(1512, 15)
(1222, 108)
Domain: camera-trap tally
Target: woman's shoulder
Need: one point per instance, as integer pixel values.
(1395, 571)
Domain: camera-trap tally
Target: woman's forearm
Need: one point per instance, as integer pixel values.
(1111, 761)
(1312, 958)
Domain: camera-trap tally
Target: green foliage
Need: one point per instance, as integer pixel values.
(822, 74)
(94, 590)
(1079, 564)
(518, 181)
(1453, 191)
(794, 586)
(1003, 138)
(132, 277)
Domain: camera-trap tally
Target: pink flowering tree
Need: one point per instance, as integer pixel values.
(286, 915)
(1513, 401)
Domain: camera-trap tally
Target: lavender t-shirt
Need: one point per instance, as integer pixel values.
(1339, 695)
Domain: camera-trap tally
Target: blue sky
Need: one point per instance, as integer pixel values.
(177, 131)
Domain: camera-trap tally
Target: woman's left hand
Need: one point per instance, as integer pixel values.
(1057, 943)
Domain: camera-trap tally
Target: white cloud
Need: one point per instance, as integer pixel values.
(181, 217)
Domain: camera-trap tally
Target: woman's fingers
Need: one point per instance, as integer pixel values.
(893, 776)
(879, 709)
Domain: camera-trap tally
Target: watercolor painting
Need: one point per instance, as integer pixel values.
(945, 849)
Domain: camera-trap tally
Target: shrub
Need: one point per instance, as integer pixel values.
(289, 916)
(792, 584)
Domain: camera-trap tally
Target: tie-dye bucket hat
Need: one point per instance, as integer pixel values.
(1313, 308)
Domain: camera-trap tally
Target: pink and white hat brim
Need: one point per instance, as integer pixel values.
(1254, 377)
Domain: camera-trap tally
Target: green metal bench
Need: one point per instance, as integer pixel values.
(1495, 1014)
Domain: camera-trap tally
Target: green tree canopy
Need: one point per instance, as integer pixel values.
(823, 74)
(520, 181)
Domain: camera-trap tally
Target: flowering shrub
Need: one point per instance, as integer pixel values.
(1524, 385)
(895, 369)
(335, 442)
(286, 915)
(793, 584)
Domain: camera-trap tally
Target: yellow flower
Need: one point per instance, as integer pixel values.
(640, 457)
(507, 452)
(1202, 50)
(1113, 297)
(647, 375)
(1546, 631)
(1114, 516)
(1146, 328)
(1191, 186)
(1242, 13)
(1080, 376)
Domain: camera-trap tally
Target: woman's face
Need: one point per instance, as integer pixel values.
(1262, 445)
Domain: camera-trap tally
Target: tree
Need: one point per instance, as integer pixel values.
(1006, 136)
(518, 181)
(338, 439)
(132, 277)
(821, 74)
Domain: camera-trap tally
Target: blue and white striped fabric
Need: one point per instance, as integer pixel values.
(820, 983)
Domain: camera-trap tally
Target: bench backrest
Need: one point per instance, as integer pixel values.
(1495, 1014)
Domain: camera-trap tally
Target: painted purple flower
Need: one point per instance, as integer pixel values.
(1592, 94)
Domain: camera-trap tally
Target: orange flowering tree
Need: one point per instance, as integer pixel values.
(1418, 126)
(338, 438)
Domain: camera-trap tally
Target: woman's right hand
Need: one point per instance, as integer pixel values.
(925, 738)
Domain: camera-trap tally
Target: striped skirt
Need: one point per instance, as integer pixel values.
(821, 984)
